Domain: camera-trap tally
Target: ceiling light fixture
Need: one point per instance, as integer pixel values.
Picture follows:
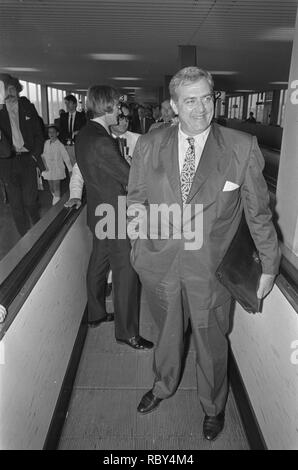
(21, 69)
(114, 56)
(278, 83)
(222, 72)
(126, 78)
(62, 83)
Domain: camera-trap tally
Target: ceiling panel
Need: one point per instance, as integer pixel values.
(250, 37)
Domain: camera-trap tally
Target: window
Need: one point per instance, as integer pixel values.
(33, 92)
(56, 102)
(235, 107)
(282, 105)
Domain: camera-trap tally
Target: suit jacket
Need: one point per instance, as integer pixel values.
(30, 127)
(79, 122)
(136, 125)
(229, 156)
(104, 170)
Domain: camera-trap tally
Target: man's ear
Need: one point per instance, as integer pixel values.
(173, 104)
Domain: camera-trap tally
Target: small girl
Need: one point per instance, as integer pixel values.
(54, 156)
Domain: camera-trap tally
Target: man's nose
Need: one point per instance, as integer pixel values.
(199, 105)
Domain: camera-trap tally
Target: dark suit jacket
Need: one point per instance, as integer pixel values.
(229, 156)
(136, 125)
(30, 126)
(79, 122)
(104, 170)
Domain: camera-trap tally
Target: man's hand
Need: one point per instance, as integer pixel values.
(265, 285)
(74, 202)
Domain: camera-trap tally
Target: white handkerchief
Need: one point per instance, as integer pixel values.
(230, 186)
(27, 118)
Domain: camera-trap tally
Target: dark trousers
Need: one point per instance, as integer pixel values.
(22, 193)
(173, 303)
(114, 254)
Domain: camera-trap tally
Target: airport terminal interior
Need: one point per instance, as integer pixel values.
(65, 385)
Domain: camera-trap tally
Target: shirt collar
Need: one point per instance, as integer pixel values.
(12, 106)
(100, 120)
(202, 137)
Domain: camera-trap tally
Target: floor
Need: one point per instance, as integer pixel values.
(110, 382)
(9, 235)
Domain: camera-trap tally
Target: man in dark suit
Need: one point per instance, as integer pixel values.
(210, 174)
(71, 121)
(21, 126)
(105, 173)
(141, 122)
(69, 125)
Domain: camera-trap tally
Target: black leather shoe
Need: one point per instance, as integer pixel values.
(136, 342)
(148, 403)
(107, 318)
(213, 425)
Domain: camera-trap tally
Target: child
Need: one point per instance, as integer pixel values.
(54, 156)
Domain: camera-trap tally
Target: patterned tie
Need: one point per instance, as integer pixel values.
(188, 170)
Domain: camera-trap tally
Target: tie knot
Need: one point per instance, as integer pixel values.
(191, 141)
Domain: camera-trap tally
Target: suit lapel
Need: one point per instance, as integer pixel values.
(6, 123)
(212, 162)
(169, 158)
(22, 119)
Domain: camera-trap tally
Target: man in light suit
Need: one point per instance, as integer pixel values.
(196, 163)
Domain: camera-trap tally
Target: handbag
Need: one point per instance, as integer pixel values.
(241, 269)
(5, 147)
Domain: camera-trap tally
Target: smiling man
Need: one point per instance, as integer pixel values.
(197, 162)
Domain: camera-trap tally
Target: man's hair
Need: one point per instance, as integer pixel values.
(186, 76)
(71, 98)
(101, 99)
(10, 80)
(52, 126)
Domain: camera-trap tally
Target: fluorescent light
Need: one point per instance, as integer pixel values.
(131, 87)
(21, 69)
(62, 83)
(126, 78)
(245, 91)
(278, 83)
(114, 56)
(278, 34)
(222, 72)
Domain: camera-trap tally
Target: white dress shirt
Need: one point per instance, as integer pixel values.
(73, 120)
(183, 145)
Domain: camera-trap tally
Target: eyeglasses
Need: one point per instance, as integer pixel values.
(122, 117)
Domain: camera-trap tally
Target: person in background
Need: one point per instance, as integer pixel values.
(105, 173)
(156, 114)
(55, 157)
(251, 118)
(142, 121)
(167, 116)
(127, 141)
(70, 124)
(57, 120)
(20, 123)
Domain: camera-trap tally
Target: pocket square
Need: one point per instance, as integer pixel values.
(27, 118)
(230, 186)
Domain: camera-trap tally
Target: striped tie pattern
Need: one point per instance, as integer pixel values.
(188, 170)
